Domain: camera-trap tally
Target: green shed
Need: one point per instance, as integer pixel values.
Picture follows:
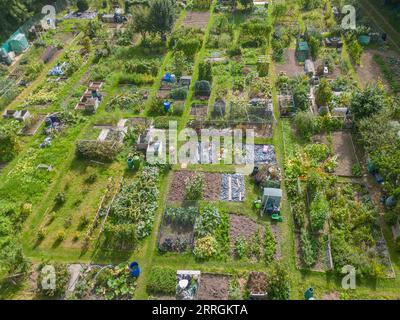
(364, 40)
(302, 51)
(18, 43)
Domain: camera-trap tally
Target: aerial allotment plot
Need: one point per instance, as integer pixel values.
(200, 150)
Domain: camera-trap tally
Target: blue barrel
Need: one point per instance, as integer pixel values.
(167, 106)
(134, 269)
(130, 164)
(309, 294)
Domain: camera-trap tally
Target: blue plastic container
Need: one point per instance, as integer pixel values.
(167, 106)
(134, 269)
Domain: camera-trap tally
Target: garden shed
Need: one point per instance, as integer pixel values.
(271, 200)
(309, 68)
(18, 43)
(302, 51)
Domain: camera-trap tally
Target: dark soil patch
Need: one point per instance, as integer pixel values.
(257, 283)
(213, 287)
(242, 226)
(177, 235)
(177, 188)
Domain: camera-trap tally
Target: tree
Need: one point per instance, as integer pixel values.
(356, 51)
(82, 5)
(246, 3)
(9, 145)
(323, 94)
(205, 71)
(162, 17)
(365, 103)
(304, 122)
(141, 22)
(315, 46)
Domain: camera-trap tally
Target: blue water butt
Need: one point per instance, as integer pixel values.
(134, 269)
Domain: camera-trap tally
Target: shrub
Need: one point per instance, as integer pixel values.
(135, 78)
(304, 122)
(234, 50)
(60, 198)
(202, 88)
(207, 221)
(194, 187)
(105, 151)
(62, 278)
(82, 5)
(41, 234)
(205, 71)
(156, 107)
(391, 218)
(179, 93)
(356, 170)
(205, 247)
(162, 280)
(60, 235)
(278, 283)
(162, 122)
(91, 175)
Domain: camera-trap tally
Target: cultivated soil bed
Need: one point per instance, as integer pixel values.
(197, 19)
(213, 287)
(290, 67)
(242, 226)
(177, 188)
(343, 148)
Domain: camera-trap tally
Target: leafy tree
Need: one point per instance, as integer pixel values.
(305, 123)
(315, 46)
(162, 16)
(323, 94)
(365, 103)
(82, 5)
(140, 22)
(9, 145)
(205, 71)
(278, 283)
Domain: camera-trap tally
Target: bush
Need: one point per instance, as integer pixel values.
(156, 107)
(305, 122)
(391, 218)
(205, 71)
(60, 235)
(241, 250)
(162, 280)
(62, 278)
(179, 93)
(202, 88)
(60, 198)
(205, 248)
(269, 245)
(82, 5)
(278, 283)
(234, 50)
(105, 151)
(136, 79)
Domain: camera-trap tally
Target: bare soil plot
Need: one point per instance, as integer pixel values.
(242, 226)
(343, 148)
(163, 94)
(197, 19)
(290, 65)
(213, 287)
(177, 189)
(334, 295)
(199, 110)
(257, 283)
(369, 72)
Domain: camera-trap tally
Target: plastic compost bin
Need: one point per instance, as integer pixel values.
(134, 269)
